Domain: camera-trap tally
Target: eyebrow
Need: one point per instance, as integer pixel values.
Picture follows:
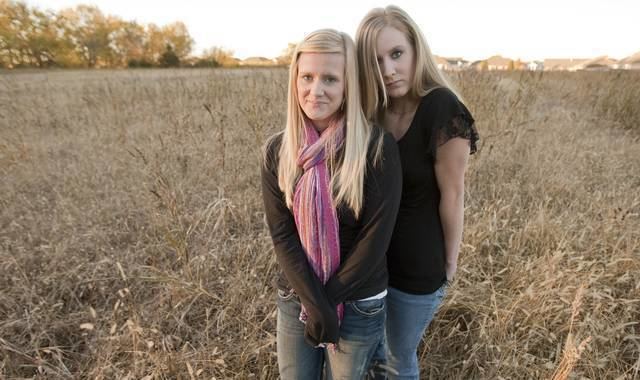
(397, 47)
(325, 74)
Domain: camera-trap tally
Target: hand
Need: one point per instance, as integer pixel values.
(450, 269)
(322, 327)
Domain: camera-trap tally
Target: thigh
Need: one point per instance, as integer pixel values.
(361, 332)
(296, 358)
(408, 316)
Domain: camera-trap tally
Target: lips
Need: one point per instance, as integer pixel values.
(392, 84)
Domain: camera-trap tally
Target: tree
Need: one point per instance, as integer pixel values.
(84, 36)
(222, 56)
(287, 54)
(158, 38)
(169, 58)
(127, 42)
(177, 35)
(28, 37)
(90, 32)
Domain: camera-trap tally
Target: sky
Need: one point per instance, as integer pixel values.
(527, 30)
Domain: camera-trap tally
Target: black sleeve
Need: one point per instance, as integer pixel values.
(448, 118)
(382, 192)
(322, 316)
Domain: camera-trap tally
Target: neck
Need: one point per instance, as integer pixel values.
(403, 105)
(320, 126)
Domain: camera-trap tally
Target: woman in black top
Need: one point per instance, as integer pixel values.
(404, 91)
(331, 186)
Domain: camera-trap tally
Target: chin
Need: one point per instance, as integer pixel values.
(315, 116)
(397, 92)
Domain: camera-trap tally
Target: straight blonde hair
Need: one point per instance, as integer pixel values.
(427, 76)
(348, 170)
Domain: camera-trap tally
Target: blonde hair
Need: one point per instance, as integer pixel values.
(427, 76)
(347, 179)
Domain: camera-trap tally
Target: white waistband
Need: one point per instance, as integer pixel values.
(382, 294)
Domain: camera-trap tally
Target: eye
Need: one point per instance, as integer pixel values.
(396, 54)
(330, 80)
(306, 77)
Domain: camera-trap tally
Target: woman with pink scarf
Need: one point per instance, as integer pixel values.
(331, 185)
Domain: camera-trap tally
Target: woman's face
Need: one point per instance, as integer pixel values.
(320, 86)
(396, 58)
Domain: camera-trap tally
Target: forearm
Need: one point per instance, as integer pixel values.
(452, 219)
(383, 190)
(288, 248)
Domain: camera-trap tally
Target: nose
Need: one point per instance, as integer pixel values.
(387, 68)
(317, 89)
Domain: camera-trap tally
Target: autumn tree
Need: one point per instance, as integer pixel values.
(223, 57)
(90, 31)
(169, 58)
(158, 38)
(127, 42)
(27, 36)
(84, 36)
(287, 54)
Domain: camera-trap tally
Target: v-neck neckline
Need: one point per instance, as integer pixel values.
(413, 120)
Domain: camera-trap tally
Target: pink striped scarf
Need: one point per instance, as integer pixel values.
(315, 216)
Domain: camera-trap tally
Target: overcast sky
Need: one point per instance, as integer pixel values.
(477, 29)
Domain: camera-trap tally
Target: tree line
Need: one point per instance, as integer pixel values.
(84, 37)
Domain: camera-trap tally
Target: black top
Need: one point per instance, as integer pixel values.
(363, 241)
(416, 255)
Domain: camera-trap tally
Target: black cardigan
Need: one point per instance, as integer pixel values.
(363, 241)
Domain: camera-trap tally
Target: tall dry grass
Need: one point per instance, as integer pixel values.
(133, 243)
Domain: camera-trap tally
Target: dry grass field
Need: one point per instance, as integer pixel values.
(133, 243)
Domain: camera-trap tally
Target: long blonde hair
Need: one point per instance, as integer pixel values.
(427, 76)
(347, 179)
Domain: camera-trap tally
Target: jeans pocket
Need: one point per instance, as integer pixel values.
(368, 308)
(285, 295)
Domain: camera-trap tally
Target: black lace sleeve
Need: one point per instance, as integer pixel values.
(450, 119)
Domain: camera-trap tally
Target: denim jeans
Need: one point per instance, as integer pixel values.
(361, 332)
(408, 316)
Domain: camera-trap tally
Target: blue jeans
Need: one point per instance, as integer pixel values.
(361, 332)
(408, 316)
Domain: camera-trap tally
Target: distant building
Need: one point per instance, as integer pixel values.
(442, 63)
(602, 63)
(257, 61)
(535, 66)
(631, 62)
(457, 63)
(478, 65)
(563, 64)
(497, 62)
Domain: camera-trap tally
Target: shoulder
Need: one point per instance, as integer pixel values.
(441, 105)
(440, 97)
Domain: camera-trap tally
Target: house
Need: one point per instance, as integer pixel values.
(563, 64)
(457, 63)
(497, 62)
(257, 61)
(535, 66)
(442, 63)
(631, 62)
(602, 63)
(478, 65)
